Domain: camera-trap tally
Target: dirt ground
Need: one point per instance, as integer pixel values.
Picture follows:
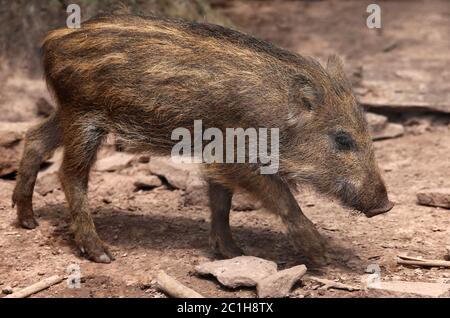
(152, 230)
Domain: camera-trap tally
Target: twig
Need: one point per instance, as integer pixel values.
(32, 289)
(408, 260)
(174, 288)
(332, 284)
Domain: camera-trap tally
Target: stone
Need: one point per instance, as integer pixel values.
(380, 128)
(147, 182)
(280, 284)
(390, 131)
(239, 271)
(11, 144)
(7, 290)
(376, 122)
(176, 174)
(47, 183)
(244, 202)
(196, 190)
(117, 161)
(438, 197)
(417, 288)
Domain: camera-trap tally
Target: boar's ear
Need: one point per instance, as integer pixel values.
(305, 93)
(335, 69)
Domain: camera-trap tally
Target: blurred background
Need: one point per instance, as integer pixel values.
(400, 73)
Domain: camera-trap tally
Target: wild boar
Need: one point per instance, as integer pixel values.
(142, 77)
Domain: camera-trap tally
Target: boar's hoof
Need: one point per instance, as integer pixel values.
(28, 222)
(227, 249)
(95, 250)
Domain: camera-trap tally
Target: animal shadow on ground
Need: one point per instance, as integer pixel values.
(124, 230)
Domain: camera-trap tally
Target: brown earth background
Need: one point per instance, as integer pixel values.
(153, 214)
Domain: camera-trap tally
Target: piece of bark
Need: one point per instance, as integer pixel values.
(408, 260)
(174, 288)
(32, 289)
(332, 284)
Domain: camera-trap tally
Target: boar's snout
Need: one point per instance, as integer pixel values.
(381, 200)
(385, 207)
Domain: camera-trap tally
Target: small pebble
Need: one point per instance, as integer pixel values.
(7, 290)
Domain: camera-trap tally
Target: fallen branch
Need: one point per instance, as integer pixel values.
(32, 289)
(332, 284)
(408, 260)
(174, 288)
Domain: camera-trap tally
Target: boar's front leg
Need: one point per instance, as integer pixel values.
(221, 238)
(276, 197)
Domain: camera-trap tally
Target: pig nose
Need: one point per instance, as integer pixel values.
(380, 210)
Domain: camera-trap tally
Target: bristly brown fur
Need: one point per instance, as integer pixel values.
(142, 77)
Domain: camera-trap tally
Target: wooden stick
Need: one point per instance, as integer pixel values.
(332, 284)
(408, 260)
(32, 289)
(174, 288)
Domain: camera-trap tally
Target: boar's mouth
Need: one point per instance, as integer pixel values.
(349, 196)
(386, 207)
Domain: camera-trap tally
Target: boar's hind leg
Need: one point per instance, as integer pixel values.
(220, 237)
(277, 197)
(81, 142)
(40, 142)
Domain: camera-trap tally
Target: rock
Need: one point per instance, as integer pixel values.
(47, 183)
(402, 85)
(11, 144)
(176, 174)
(280, 284)
(239, 271)
(390, 131)
(187, 177)
(7, 290)
(116, 185)
(380, 128)
(439, 197)
(196, 190)
(418, 125)
(418, 288)
(144, 159)
(376, 122)
(243, 202)
(44, 108)
(115, 162)
(144, 182)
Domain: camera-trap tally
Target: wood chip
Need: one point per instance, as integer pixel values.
(43, 284)
(327, 284)
(408, 260)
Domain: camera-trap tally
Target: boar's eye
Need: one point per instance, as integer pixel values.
(344, 141)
